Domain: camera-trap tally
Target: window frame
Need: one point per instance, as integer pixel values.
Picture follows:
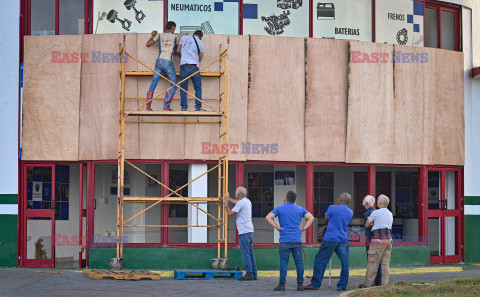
(456, 10)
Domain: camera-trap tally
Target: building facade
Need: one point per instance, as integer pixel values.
(435, 204)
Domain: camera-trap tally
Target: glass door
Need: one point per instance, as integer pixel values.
(444, 238)
(38, 216)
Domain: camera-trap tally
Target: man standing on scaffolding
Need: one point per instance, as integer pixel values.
(167, 42)
(191, 50)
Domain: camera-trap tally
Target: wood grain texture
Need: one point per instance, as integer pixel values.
(326, 100)
(415, 90)
(100, 98)
(51, 97)
(196, 134)
(158, 141)
(370, 125)
(276, 102)
(449, 109)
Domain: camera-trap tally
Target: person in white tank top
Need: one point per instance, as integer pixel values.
(167, 43)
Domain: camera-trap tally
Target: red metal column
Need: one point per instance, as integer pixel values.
(309, 198)
(372, 180)
(240, 17)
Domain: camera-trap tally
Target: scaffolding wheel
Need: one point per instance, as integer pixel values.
(214, 263)
(223, 263)
(116, 263)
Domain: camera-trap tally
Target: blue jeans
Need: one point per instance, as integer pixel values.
(185, 71)
(284, 250)
(164, 66)
(323, 256)
(378, 279)
(246, 246)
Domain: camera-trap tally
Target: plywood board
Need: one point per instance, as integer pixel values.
(276, 101)
(449, 109)
(415, 91)
(370, 124)
(196, 134)
(326, 100)
(100, 98)
(51, 98)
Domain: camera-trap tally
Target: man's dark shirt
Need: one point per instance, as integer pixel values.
(368, 231)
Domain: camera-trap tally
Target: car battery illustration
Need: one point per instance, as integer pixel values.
(325, 11)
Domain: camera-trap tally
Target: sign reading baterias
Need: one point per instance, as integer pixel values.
(276, 17)
(399, 22)
(210, 16)
(123, 16)
(343, 19)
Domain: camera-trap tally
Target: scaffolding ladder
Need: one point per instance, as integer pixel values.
(218, 116)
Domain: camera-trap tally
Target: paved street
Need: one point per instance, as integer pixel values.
(46, 282)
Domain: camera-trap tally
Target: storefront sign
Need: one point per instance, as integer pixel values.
(134, 16)
(210, 16)
(399, 22)
(343, 19)
(276, 17)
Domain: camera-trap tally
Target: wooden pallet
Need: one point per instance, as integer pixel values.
(206, 274)
(121, 274)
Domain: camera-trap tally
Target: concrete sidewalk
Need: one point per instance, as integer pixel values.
(55, 282)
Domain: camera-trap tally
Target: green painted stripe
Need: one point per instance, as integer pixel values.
(472, 200)
(8, 198)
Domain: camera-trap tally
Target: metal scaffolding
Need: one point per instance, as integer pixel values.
(216, 115)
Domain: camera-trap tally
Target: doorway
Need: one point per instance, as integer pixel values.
(53, 223)
(444, 215)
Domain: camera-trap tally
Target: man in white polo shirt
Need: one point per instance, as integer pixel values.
(381, 244)
(191, 49)
(243, 210)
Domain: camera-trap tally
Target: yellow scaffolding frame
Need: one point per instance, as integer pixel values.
(220, 117)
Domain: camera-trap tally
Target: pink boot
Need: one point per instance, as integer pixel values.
(168, 100)
(149, 100)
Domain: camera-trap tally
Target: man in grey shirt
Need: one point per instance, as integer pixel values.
(243, 211)
(381, 244)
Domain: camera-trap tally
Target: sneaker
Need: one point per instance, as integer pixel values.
(148, 109)
(362, 286)
(167, 109)
(184, 109)
(254, 278)
(280, 287)
(199, 109)
(299, 286)
(310, 287)
(246, 277)
(341, 289)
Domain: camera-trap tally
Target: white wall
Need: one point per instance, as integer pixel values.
(9, 83)
(471, 49)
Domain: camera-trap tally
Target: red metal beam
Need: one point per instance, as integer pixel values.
(476, 72)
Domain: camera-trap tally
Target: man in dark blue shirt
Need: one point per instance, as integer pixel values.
(368, 203)
(335, 240)
(290, 216)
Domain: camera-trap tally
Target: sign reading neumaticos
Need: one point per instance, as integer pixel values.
(190, 7)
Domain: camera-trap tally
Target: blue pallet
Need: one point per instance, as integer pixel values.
(206, 274)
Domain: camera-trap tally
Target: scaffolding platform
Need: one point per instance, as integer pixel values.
(121, 274)
(183, 274)
(218, 115)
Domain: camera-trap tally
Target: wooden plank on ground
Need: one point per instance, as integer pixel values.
(326, 100)
(449, 109)
(51, 98)
(100, 97)
(276, 101)
(370, 124)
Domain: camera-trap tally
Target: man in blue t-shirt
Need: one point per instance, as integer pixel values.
(335, 240)
(290, 216)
